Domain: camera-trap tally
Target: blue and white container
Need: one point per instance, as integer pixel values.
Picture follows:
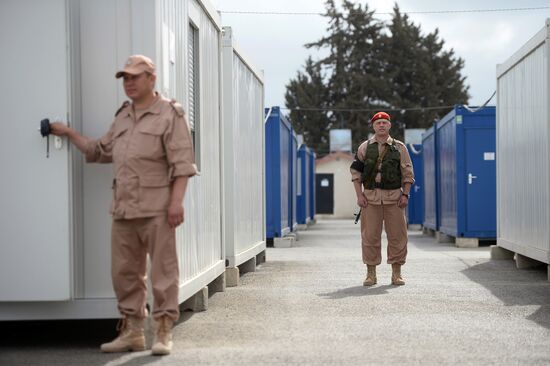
(466, 144)
(280, 175)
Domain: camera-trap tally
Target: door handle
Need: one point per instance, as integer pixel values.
(471, 178)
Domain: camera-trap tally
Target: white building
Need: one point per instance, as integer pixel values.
(334, 189)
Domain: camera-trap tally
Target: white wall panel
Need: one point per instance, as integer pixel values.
(244, 155)
(199, 238)
(103, 33)
(523, 218)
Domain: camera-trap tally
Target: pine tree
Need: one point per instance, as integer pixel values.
(354, 66)
(308, 90)
(374, 66)
(420, 73)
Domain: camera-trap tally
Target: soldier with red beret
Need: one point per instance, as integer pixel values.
(382, 174)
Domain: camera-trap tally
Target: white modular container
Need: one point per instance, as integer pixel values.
(523, 155)
(243, 161)
(54, 221)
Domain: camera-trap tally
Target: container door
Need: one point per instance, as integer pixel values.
(34, 215)
(325, 193)
(480, 179)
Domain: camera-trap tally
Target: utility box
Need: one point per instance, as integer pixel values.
(431, 188)
(59, 62)
(415, 209)
(466, 144)
(243, 188)
(523, 165)
(281, 156)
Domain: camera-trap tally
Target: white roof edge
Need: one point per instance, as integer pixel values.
(228, 32)
(211, 12)
(539, 38)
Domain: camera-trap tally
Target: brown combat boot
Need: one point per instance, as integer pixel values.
(162, 345)
(131, 336)
(396, 278)
(371, 276)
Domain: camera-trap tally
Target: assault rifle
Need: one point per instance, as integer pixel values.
(357, 216)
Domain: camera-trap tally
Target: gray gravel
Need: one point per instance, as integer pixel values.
(306, 306)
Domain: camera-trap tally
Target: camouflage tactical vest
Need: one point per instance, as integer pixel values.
(390, 170)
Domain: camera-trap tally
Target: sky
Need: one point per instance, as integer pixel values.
(275, 43)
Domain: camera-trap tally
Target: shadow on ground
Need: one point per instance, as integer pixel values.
(357, 291)
(68, 342)
(515, 287)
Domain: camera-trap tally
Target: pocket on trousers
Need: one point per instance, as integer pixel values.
(154, 192)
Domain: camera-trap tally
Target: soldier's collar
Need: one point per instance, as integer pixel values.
(154, 108)
(389, 141)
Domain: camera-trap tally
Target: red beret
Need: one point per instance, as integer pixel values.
(380, 115)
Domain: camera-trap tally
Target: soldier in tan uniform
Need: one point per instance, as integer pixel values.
(382, 174)
(151, 148)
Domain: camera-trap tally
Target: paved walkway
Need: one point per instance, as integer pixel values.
(306, 306)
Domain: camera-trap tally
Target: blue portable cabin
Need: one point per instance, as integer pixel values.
(415, 209)
(304, 185)
(431, 189)
(466, 143)
(281, 169)
(312, 157)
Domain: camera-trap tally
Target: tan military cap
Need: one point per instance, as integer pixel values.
(136, 65)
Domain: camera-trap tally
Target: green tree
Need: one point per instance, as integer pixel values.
(373, 66)
(421, 73)
(308, 90)
(354, 66)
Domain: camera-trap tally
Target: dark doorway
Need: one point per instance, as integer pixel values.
(324, 188)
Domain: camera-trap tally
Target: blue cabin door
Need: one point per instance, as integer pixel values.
(480, 179)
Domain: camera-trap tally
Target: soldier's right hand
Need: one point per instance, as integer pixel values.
(59, 129)
(362, 201)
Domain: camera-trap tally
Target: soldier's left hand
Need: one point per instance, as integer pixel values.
(175, 215)
(403, 201)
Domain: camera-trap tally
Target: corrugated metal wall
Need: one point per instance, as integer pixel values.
(446, 145)
(199, 238)
(243, 157)
(430, 181)
(248, 98)
(523, 192)
(415, 209)
(162, 35)
(286, 176)
(312, 157)
(294, 182)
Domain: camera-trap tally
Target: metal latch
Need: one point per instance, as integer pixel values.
(471, 178)
(45, 131)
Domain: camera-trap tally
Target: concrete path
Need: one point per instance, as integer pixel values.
(307, 306)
